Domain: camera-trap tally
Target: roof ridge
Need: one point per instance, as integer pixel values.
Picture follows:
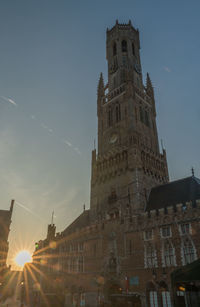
(177, 180)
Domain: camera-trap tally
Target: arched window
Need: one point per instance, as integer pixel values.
(124, 46)
(133, 48)
(114, 49)
(168, 254)
(118, 112)
(188, 252)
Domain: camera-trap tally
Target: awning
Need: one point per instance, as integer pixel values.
(188, 273)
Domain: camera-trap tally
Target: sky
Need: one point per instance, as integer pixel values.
(51, 55)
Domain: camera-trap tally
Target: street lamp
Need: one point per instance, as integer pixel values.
(22, 293)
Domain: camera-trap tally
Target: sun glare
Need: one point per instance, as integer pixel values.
(22, 258)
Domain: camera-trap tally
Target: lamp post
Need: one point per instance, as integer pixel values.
(22, 294)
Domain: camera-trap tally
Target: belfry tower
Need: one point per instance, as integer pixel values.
(128, 162)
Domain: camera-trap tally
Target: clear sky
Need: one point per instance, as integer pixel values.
(51, 55)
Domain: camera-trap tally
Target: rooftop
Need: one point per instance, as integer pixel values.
(175, 192)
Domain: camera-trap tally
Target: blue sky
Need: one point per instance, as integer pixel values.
(51, 55)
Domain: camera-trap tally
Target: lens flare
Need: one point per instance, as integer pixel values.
(23, 257)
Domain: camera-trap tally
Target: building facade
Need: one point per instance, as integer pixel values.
(140, 227)
(5, 221)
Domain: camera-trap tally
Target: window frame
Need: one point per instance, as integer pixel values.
(167, 235)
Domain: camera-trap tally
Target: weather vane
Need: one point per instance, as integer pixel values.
(192, 169)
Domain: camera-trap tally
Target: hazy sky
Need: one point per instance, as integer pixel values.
(51, 54)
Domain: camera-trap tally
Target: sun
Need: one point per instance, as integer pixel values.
(23, 257)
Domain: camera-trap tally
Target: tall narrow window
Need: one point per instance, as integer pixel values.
(153, 299)
(114, 49)
(168, 254)
(141, 115)
(146, 118)
(118, 113)
(129, 247)
(166, 299)
(109, 117)
(124, 46)
(133, 48)
(123, 76)
(80, 264)
(188, 252)
(150, 255)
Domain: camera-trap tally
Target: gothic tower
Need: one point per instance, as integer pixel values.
(128, 162)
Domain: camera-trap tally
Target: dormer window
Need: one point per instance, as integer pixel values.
(114, 49)
(124, 46)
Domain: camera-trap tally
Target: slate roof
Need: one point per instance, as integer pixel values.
(82, 220)
(188, 273)
(175, 192)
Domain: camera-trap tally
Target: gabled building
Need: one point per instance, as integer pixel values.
(140, 227)
(5, 221)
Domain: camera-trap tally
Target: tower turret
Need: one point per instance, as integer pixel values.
(100, 94)
(150, 92)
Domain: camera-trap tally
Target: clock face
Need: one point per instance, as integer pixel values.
(113, 138)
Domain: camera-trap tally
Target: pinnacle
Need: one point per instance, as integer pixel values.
(101, 83)
(148, 81)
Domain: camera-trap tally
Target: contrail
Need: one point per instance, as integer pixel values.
(67, 143)
(44, 126)
(29, 210)
(9, 100)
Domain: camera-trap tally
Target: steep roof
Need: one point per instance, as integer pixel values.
(179, 191)
(82, 220)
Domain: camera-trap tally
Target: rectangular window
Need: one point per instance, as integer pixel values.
(166, 300)
(148, 234)
(153, 299)
(185, 228)
(80, 247)
(151, 258)
(129, 247)
(80, 264)
(166, 232)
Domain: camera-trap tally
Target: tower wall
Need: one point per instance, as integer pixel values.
(128, 162)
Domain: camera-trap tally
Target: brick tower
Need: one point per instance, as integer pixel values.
(128, 162)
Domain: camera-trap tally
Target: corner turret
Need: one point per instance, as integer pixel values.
(100, 93)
